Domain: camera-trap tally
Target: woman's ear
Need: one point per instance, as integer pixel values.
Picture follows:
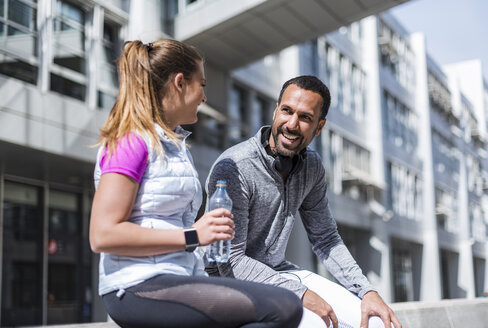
(179, 81)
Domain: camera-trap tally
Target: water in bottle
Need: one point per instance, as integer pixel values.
(219, 251)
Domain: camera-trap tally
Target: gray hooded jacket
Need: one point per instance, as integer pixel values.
(265, 208)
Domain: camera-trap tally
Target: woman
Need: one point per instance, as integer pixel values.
(147, 197)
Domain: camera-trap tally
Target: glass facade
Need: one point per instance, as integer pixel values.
(72, 28)
(46, 264)
(22, 260)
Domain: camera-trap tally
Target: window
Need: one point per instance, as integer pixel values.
(170, 11)
(479, 265)
(68, 87)
(396, 56)
(358, 94)
(66, 255)
(238, 129)
(445, 158)
(18, 39)
(19, 28)
(68, 75)
(248, 111)
(346, 82)
(356, 175)
(108, 82)
(475, 180)
(69, 37)
(122, 4)
(22, 255)
(356, 158)
(66, 46)
(478, 226)
(439, 95)
(348, 167)
(401, 124)
(446, 209)
(405, 193)
(334, 153)
(261, 114)
(331, 68)
(402, 275)
(67, 284)
(345, 86)
(450, 266)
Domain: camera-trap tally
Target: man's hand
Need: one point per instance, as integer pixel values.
(316, 304)
(372, 304)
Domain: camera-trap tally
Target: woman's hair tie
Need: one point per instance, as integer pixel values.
(149, 46)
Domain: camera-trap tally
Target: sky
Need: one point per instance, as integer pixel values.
(455, 30)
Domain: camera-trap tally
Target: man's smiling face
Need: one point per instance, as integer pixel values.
(296, 121)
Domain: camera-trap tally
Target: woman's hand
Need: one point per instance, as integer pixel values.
(215, 225)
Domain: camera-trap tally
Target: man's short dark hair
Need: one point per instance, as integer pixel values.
(310, 83)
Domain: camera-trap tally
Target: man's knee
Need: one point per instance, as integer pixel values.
(311, 320)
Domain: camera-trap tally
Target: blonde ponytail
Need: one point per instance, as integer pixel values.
(144, 72)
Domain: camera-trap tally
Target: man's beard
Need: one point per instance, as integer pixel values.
(282, 150)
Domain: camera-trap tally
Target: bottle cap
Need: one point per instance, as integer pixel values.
(221, 183)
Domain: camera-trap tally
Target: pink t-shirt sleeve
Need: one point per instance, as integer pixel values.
(129, 158)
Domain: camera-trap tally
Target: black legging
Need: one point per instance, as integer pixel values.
(182, 301)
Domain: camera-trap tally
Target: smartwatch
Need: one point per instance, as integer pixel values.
(191, 239)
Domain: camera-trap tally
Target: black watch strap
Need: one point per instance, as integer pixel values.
(191, 239)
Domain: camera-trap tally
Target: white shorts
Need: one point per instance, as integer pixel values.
(345, 304)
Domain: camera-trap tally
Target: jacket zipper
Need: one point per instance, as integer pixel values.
(285, 212)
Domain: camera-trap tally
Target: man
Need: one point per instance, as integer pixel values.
(272, 177)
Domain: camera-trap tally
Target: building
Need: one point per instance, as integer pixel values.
(404, 144)
(405, 150)
(57, 81)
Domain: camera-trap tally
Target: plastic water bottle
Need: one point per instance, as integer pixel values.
(219, 251)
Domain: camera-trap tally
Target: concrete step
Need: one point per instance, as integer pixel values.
(458, 313)
(81, 325)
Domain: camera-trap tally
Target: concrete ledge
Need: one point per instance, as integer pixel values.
(83, 325)
(459, 313)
